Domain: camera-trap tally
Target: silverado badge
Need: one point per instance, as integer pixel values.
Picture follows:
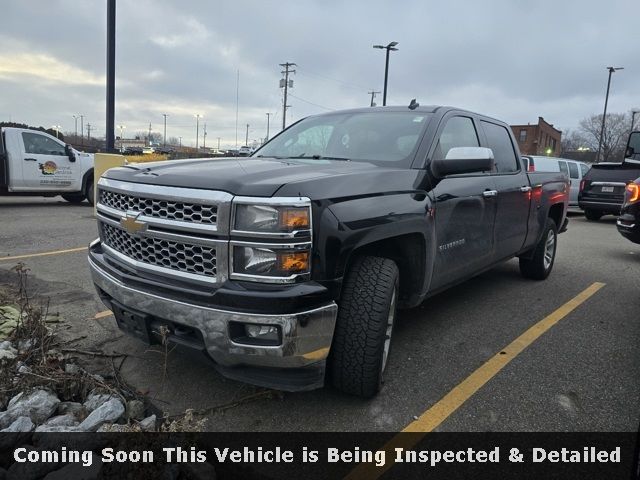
(131, 223)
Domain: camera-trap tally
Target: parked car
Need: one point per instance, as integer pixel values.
(574, 170)
(245, 151)
(602, 190)
(133, 150)
(291, 263)
(36, 163)
(628, 222)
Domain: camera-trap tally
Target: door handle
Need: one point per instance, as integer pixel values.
(490, 193)
(30, 160)
(526, 188)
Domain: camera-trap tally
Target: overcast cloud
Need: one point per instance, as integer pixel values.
(514, 60)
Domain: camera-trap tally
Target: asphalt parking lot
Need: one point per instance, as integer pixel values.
(582, 374)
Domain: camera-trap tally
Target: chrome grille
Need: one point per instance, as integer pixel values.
(180, 256)
(157, 208)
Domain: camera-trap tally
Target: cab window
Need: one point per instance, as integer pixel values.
(499, 140)
(41, 145)
(458, 132)
(584, 169)
(563, 168)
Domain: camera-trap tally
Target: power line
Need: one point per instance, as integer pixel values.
(311, 103)
(351, 85)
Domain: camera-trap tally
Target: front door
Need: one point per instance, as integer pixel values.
(45, 164)
(465, 210)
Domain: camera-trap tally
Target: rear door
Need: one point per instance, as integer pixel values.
(514, 191)
(45, 164)
(574, 180)
(465, 208)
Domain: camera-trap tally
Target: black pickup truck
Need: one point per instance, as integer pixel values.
(602, 190)
(291, 263)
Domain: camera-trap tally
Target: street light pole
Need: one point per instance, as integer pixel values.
(75, 121)
(388, 48)
(246, 139)
(604, 115)
(165, 130)
(82, 129)
(268, 115)
(121, 127)
(197, 128)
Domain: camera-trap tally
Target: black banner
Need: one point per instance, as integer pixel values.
(320, 455)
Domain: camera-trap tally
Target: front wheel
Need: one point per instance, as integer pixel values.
(73, 197)
(539, 266)
(592, 215)
(366, 316)
(90, 193)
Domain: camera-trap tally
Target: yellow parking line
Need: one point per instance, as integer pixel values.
(448, 404)
(103, 314)
(42, 254)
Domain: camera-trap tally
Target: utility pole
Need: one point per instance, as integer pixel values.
(604, 115)
(75, 121)
(373, 95)
(246, 139)
(218, 144)
(268, 115)
(204, 136)
(197, 115)
(121, 127)
(165, 130)
(180, 141)
(88, 131)
(286, 83)
(149, 137)
(111, 73)
(82, 129)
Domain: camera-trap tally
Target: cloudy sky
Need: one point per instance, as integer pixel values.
(511, 59)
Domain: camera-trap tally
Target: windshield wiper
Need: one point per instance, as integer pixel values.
(320, 157)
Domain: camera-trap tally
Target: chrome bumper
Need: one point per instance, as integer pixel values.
(306, 336)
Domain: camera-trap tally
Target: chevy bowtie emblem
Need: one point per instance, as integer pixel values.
(131, 223)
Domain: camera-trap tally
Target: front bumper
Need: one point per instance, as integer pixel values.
(298, 363)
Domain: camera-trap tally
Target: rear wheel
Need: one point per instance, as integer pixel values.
(90, 193)
(592, 215)
(73, 197)
(366, 317)
(539, 266)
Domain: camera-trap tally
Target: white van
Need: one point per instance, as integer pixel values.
(36, 163)
(571, 168)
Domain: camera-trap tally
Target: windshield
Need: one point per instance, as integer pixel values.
(375, 136)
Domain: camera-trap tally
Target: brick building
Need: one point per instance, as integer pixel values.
(540, 139)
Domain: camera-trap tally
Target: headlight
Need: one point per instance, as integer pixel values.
(272, 219)
(284, 262)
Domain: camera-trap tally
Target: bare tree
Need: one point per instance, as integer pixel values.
(616, 131)
(572, 140)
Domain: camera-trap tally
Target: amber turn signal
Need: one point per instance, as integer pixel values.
(293, 262)
(633, 192)
(294, 218)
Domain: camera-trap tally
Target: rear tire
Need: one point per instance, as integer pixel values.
(364, 326)
(539, 266)
(73, 197)
(90, 193)
(592, 215)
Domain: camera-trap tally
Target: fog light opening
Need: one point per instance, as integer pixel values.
(255, 334)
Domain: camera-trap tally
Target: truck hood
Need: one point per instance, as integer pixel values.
(261, 177)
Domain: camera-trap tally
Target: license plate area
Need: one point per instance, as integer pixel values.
(137, 324)
(606, 189)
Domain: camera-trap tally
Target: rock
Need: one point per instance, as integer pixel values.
(114, 427)
(23, 369)
(37, 405)
(78, 471)
(24, 345)
(76, 409)
(56, 428)
(148, 424)
(98, 378)
(94, 400)
(72, 368)
(109, 411)
(9, 318)
(135, 410)
(67, 420)
(7, 352)
(21, 424)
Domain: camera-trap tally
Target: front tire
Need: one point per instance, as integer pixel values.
(366, 316)
(539, 266)
(592, 215)
(90, 193)
(73, 197)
